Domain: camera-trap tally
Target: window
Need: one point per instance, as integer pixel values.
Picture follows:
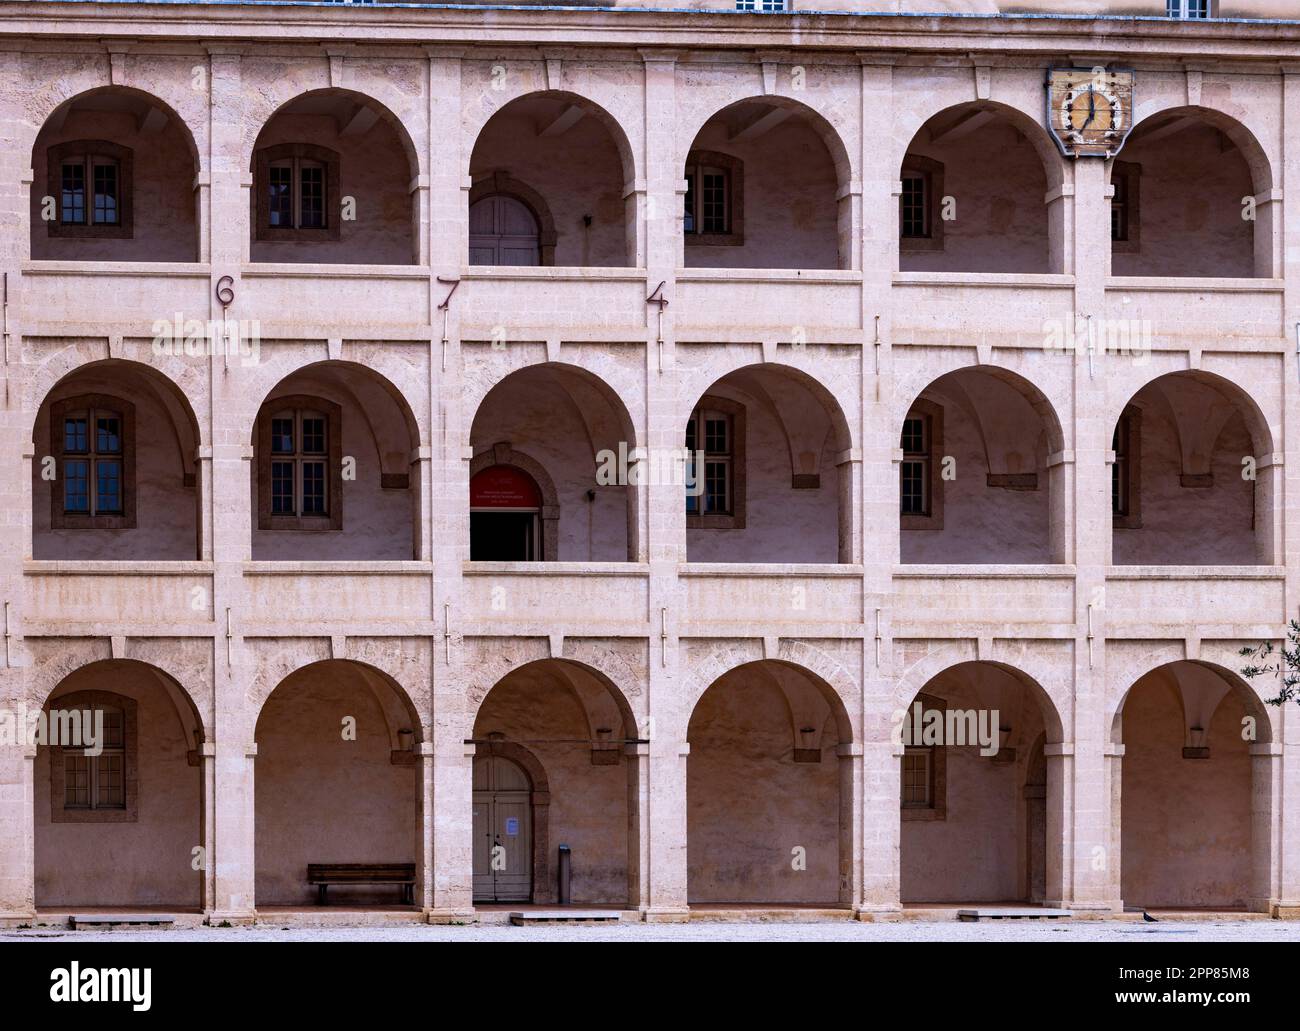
(761, 5)
(1125, 496)
(920, 227)
(715, 440)
(98, 781)
(300, 465)
(920, 485)
(713, 208)
(93, 445)
(1187, 9)
(90, 181)
(297, 193)
(1124, 224)
(914, 215)
(914, 485)
(99, 788)
(923, 778)
(918, 778)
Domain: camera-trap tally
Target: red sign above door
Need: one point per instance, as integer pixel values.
(503, 486)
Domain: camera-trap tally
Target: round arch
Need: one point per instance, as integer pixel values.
(1257, 159)
(374, 679)
(152, 99)
(1261, 432)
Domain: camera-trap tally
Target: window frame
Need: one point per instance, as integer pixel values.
(932, 518)
(931, 173)
(734, 168)
(60, 154)
(1127, 175)
(937, 806)
(734, 519)
(300, 404)
(296, 153)
(129, 811)
(1181, 10)
(1126, 464)
(61, 519)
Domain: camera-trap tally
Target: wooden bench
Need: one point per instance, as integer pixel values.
(324, 874)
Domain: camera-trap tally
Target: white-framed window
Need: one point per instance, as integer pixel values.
(98, 781)
(299, 463)
(914, 471)
(708, 200)
(918, 778)
(711, 432)
(1188, 9)
(761, 5)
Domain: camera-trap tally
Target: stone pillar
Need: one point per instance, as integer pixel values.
(234, 871)
(1087, 851)
(880, 767)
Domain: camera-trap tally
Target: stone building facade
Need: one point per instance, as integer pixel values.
(322, 322)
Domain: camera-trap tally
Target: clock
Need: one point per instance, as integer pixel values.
(1089, 110)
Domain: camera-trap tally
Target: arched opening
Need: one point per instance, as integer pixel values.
(115, 473)
(767, 185)
(337, 782)
(981, 808)
(333, 472)
(552, 184)
(568, 433)
(1196, 799)
(980, 474)
(768, 474)
(550, 768)
(116, 823)
(1192, 197)
(959, 211)
(1192, 475)
(333, 182)
(114, 179)
(769, 790)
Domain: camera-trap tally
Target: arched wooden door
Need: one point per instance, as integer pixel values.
(503, 231)
(503, 831)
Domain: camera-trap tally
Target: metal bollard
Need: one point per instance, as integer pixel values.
(565, 864)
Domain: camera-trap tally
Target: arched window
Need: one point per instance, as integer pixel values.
(92, 439)
(503, 231)
(504, 516)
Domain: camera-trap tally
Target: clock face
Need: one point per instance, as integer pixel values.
(1089, 110)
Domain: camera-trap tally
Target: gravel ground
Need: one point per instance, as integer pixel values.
(1232, 931)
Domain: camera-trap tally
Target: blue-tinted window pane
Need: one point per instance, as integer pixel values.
(76, 489)
(108, 434)
(282, 488)
(108, 486)
(313, 488)
(73, 209)
(281, 197)
(106, 195)
(282, 436)
(74, 435)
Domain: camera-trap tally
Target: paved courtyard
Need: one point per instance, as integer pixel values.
(910, 931)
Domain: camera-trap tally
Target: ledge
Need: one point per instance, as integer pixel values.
(1196, 572)
(293, 269)
(1195, 284)
(998, 571)
(105, 567)
(769, 569)
(171, 269)
(768, 275)
(562, 273)
(361, 568)
(1024, 280)
(555, 568)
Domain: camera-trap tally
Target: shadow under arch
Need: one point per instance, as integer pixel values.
(1213, 844)
(1012, 426)
(341, 93)
(143, 95)
(576, 398)
(1261, 168)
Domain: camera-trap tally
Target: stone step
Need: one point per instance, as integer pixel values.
(1029, 913)
(520, 918)
(122, 919)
